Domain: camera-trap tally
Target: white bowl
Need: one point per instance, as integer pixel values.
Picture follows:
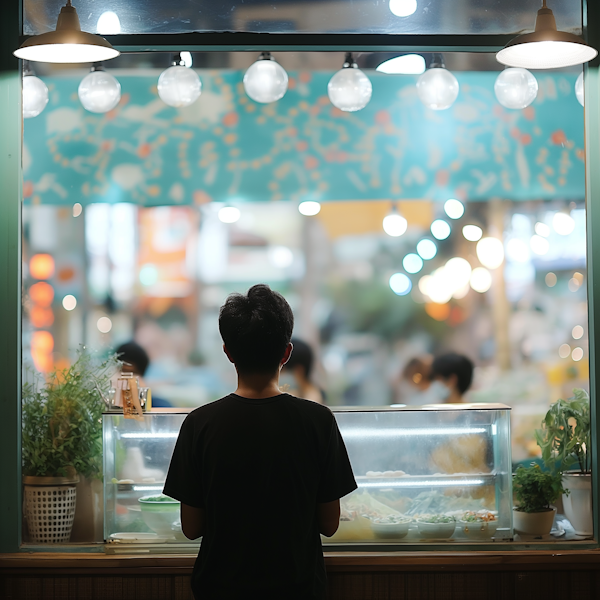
(390, 530)
(436, 531)
(479, 530)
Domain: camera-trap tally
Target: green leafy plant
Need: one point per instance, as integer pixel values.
(565, 435)
(62, 419)
(536, 489)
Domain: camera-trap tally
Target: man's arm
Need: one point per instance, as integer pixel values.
(328, 517)
(192, 521)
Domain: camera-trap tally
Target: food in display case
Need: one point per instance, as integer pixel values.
(424, 474)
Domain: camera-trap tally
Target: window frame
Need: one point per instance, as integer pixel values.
(11, 199)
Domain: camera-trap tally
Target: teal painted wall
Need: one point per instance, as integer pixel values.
(226, 147)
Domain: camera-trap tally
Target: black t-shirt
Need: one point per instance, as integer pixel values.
(258, 468)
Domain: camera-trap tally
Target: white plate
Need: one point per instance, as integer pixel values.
(138, 538)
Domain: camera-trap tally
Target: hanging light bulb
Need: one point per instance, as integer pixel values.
(35, 93)
(179, 86)
(579, 89)
(437, 88)
(407, 64)
(108, 23)
(349, 89)
(516, 88)
(99, 91)
(546, 48)
(265, 80)
(394, 224)
(67, 44)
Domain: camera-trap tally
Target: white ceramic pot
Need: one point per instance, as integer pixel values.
(436, 531)
(537, 523)
(578, 504)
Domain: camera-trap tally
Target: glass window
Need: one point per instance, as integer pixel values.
(397, 233)
(393, 17)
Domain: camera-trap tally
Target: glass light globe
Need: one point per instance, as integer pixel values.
(309, 208)
(179, 86)
(437, 88)
(266, 81)
(579, 88)
(108, 23)
(490, 252)
(516, 88)
(400, 284)
(394, 224)
(35, 96)
(99, 92)
(349, 89)
(403, 8)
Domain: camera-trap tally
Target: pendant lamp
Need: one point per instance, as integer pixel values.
(67, 44)
(546, 47)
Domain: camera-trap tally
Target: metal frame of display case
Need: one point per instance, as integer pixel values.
(11, 196)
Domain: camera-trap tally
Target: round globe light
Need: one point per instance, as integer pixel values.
(229, 214)
(577, 354)
(440, 230)
(108, 23)
(104, 324)
(35, 96)
(266, 80)
(426, 249)
(349, 89)
(69, 302)
(395, 224)
(179, 86)
(539, 245)
(458, 270)
(563, 223)
(400, 284)
(454, 208)
(403, 8)
(309, 208)
(516, 88)
(490, 252)
(437, 88)
(481, 280)
(577, 332)
(579, 89)
(517, 250)
(412, 263)
(542, 229)
(99, 91)
(472, 233)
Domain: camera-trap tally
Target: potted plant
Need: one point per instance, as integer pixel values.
(536, 490)
(61, 441)
(565, 443)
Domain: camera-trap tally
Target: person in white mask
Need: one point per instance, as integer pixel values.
(451, 375)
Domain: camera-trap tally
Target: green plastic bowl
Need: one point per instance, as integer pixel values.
(165, 504)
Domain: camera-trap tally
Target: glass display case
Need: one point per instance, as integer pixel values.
(425, 474)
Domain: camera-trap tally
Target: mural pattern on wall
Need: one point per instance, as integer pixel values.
(228, 148)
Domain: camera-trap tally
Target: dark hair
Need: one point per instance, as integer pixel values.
(256, 328)
(450, 364)
(417, 370)
(135, 355)
(302, 355)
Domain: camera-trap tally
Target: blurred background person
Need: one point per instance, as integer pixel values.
(451, 377)
(296, 373)
(135, 360)
(415, 381)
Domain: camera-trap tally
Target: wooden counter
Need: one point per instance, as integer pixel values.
(508, 575)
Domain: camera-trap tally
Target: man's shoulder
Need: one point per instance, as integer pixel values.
(209, 408)
(314, 409)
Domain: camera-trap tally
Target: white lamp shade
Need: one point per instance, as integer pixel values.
(99, 92)
(179, 86)
(516, 88)
(68, 44)
(546, 48)
(35, 96)
(266, 81)
(349, 89)
(579, 90)
(437, 88)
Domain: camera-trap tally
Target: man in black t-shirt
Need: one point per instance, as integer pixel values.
(259, 473)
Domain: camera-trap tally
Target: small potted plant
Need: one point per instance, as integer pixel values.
(565, 443)
(536, 490)
(62, 441)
